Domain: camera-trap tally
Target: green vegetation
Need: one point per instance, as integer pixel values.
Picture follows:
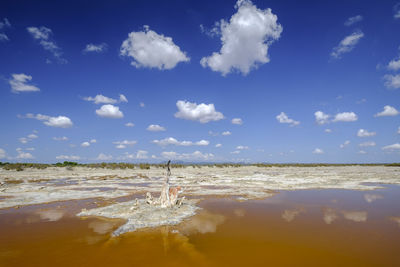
(147, 166)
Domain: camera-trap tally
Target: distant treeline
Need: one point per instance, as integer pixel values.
(146, 166)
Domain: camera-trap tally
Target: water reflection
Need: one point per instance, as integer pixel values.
(51, 215)
(372, 197)
(204, 222)
(395, 219)
(289, 215)
(329, 215)
(355, 216)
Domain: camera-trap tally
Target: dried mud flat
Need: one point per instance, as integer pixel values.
(33, 186)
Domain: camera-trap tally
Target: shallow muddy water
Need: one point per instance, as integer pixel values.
(304, 227)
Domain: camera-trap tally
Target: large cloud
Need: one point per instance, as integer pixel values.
(173, 141)
(387, 111)
(202, 112)
(59, 121)
(346, 117)
(109, 111)
(347, 44)
(152, 50)
(283, 118)
(245, 39)
(19, 83)
(44, 36)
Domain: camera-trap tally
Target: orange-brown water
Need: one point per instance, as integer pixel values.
(311, 227)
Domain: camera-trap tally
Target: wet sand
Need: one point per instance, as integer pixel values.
(327, 227)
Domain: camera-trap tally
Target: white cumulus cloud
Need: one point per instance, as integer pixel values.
(345, 117)
(283, 118)
(237, 121)
(197, 112)
(242, 147)
(20, 83)
(226, 133)
(318, 151)
(155, 128)
(109, 111)
(347, 44)
(392, 81)
(2, 153)
(387, 111)
(101, 99)
(129, 124)
(218, 145)
(152, 50)
(124, 143)
(245, 39)
(365, 133)
(395, 146)
(321, 118)
(62, 138)
(59, 121)
(85, 144)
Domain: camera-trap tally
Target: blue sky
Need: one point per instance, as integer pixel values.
(260, 81)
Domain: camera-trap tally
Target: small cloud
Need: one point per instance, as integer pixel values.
(101, 99)
(362, 152)
(328, 130)
(347, 44)
(398, 130)
(365, 133)
(242, 147)
(155, 128)
(202, 113)
(141, 104)
(392, 81)
(395, 146)
(109, 111)
(62, 138)
(66, 157)
(226, 133)
(20, 83)
(387, 111)
(367, 144)
(352, 20)
(235, 152)
(95, 48)
(129, 124)
(346, 143)
(237, 121)
(173, 141)
(361, 101)
(93, 141)
(23, 155)
(396, 10)
(104, 157)
(318, 151)
(321, 118)
(85, 144)
(218, 145)
(345, 117)
(149, 49)
(3, 153)
(197, 155)
(283, 118)
(124, 143)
